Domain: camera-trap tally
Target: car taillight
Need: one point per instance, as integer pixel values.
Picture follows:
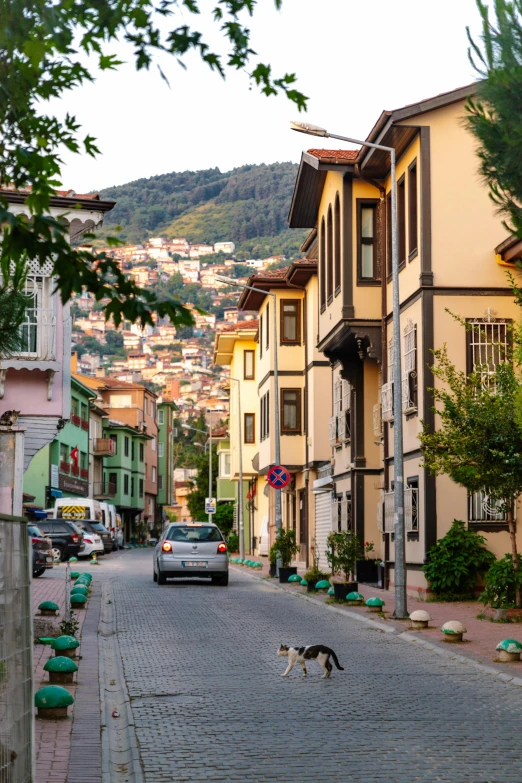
(222, 547)
(166, 546)
(34, 540)
(88, 541)
(75, 539)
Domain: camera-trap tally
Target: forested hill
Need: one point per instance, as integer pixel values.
(248, 205)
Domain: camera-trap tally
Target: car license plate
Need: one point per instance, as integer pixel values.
(198, 563)
(49, 558)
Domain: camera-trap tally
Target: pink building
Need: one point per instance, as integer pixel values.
(35, 382)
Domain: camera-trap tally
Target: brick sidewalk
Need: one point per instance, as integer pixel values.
(55, 739)
(482, 635)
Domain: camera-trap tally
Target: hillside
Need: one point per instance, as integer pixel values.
(248, 205)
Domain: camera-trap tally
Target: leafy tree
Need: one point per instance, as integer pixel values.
(13, 304)
(114, 343)
(494, 116)
(479, 440)
(224, 515)
(90, 345)
(44, 45)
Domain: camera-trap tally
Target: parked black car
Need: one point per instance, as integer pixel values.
(67, 539)
(42, 550)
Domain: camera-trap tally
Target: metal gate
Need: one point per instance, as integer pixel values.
(323, 525)
(16, 689)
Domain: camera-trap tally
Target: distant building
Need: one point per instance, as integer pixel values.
(224, 247)
(201, 250)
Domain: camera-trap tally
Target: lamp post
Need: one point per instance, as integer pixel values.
(278, 503)
(398, 448)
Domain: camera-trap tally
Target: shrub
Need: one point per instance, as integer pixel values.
(344, 549)
(70, 627)
(272, 555)
(286, 546)
(315, 575)
(455, 561)
(501, 581)
(233, 542)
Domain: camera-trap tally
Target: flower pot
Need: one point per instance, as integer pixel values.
(367, 571)
(341, 589)
(285, 573)
(272, 571)
(310, 587)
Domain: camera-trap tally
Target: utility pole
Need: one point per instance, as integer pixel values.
(210, 461)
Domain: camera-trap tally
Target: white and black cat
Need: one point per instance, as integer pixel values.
(301, 655)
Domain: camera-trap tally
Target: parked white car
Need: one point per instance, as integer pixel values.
(93, 542)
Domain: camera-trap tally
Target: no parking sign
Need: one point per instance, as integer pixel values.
(278, 477)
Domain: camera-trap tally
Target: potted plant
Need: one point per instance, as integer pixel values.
(272, 559)
(286, 548)
(313, 576)
(343, 551)
(367, 568)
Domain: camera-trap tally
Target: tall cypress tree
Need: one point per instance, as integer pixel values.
(495, 115)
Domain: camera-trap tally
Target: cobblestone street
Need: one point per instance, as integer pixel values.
(210, 705)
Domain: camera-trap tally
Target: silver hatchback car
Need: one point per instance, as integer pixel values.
(191, 549)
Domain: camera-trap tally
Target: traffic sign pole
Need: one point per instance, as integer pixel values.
(279, 504)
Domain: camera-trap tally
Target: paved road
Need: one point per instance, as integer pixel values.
(210, 705)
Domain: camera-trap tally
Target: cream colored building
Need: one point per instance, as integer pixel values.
(449, 236)
(236, 348)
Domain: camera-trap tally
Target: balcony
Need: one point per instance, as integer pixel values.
(75, 470)
(76, 420)
(85, 425)
(84, 473)
(65, 467)
(103, 490)
(103, 447)
(38, 332)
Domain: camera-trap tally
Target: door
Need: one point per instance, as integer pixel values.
(303, 526)
(323, 525)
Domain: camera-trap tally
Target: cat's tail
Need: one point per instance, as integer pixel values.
(338, 665)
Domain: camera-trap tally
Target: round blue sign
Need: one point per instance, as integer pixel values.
(278, 477)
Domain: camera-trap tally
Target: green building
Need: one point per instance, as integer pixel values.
(53, 472)
(164, 419)
(124, 472)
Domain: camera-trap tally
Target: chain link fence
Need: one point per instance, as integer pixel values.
(16, 689)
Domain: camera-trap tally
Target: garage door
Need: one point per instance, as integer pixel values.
(323, 525)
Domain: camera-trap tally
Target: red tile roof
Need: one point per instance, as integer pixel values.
(334, 156)
(241, 325)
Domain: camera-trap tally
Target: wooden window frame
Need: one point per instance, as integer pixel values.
(126, 445)
(282, 339)
(329, 256)
(413, 211)
(245, 376)
(388, 237)
(322, 266)
(401, 220)
(287, 430)
(245, 415)
(267, 325)
(360, 204)
(260, 336)
(337, 245)
(126, 483)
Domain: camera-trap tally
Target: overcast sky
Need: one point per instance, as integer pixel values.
(353, 59)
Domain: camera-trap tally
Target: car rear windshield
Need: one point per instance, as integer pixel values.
(194, 533)
(35, 531)
(84, 525)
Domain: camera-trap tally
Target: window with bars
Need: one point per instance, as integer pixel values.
(488, 345)
(409, 375)
(387, 388)
(482, 509)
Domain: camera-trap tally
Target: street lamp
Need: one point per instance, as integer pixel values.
(278, 504)
(398, 448)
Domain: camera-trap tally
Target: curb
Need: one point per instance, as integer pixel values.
(403, 635)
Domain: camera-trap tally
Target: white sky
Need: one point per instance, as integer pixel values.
(353, 59)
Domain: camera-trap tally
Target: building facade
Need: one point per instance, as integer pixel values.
(450, 245)
(35, 381)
